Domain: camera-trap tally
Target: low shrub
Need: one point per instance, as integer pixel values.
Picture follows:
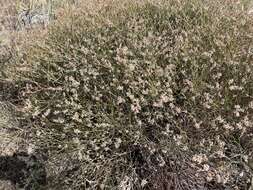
(148, 95)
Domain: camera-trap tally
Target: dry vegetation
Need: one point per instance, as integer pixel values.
(149, 95)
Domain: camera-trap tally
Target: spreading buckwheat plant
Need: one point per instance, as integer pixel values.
(149, 95)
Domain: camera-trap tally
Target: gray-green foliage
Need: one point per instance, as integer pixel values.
(125, 93)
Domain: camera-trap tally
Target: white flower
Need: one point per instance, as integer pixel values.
(246, 121)
(36, 112)
(164, 98)
(189, 83)
(135, 108)
(120, 88)
(38, 133)
(227, 126)
(162, 162)
(177, 109)
(199, 158)
(218, 178)
(30, 149)
(251, 105)
(126, 184)
(158, 104)
(237, 114)
(80, 155)
(231, 81)
(118, 143)
(102, 186)
(59, 120)
(120, 100)
(143, 182)
(209, 177)
(76, 141)
(235, 87)
(77, 131)
(239, 125)
(28, 104)
(197, 125)
(131, 96)
(131, 67)
(237, 107)
(220, 119)
(75, 116)
(47, 113)
(73, 81)
(220, 154)
(206, 167)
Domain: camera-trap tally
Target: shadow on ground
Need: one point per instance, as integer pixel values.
(23, 170)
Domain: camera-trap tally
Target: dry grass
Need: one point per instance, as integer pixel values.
(140, 95)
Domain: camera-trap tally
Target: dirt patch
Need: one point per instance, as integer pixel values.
(9, 140)
(6, 185)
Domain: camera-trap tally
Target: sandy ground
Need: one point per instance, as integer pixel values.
(6, 185)
(9, 141)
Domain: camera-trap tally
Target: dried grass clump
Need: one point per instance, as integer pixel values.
(147, 95)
